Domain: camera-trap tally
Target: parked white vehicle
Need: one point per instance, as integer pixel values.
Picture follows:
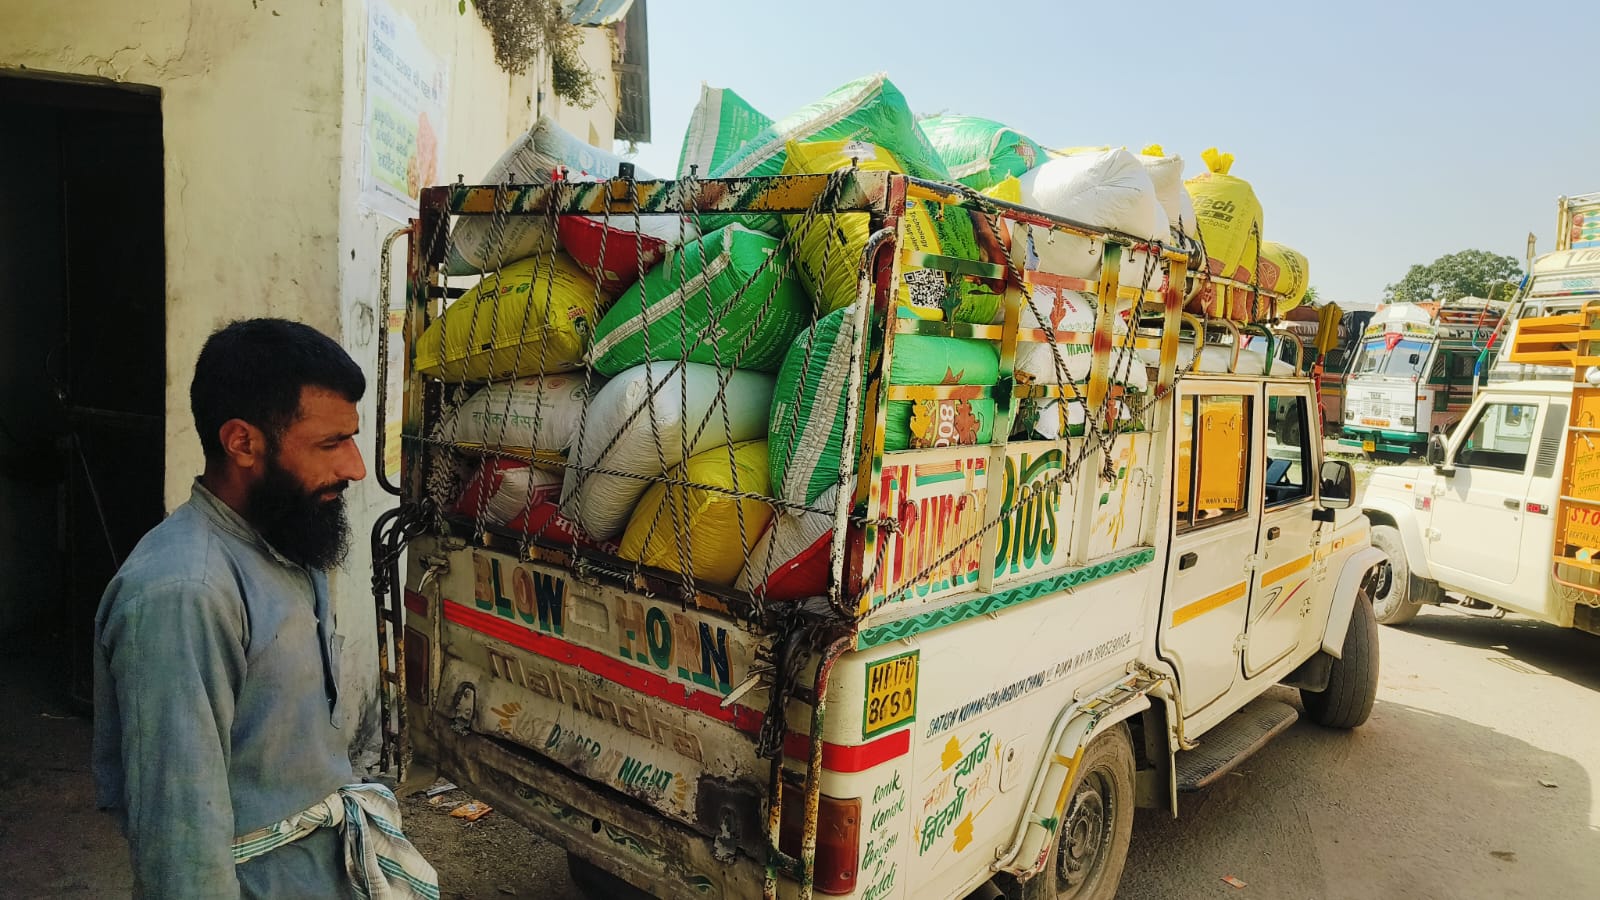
(1478, 525)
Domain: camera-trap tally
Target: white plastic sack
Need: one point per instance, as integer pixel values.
(1109, 190)
(1214, 360)
(501, 491)
(482, 243)
(1063, 311)
(618, 434)
(1166, 173)
(524, 415)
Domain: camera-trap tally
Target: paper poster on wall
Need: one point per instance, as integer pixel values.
(404, 128)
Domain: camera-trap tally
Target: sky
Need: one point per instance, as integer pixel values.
(1376, 135)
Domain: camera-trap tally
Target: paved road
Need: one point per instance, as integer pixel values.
(1443, 794)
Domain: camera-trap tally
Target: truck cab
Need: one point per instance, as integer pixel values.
(1415, 372)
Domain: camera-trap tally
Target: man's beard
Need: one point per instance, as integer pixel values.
(305, 529)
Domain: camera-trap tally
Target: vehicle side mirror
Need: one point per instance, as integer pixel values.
(1436, 455)
(1338, 484)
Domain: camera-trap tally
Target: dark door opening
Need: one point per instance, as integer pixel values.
(82, 357)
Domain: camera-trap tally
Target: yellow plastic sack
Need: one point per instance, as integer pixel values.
(708, 520)
(508, 339)
(1284, 271)
(1229, 216)
(1007, 189)
(829, 260)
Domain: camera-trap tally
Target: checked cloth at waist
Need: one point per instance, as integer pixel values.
(379, 860)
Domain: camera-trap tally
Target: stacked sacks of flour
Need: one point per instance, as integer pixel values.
(1231, 222)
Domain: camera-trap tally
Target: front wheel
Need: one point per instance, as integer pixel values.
(1398, 602)
(1091, 844)
(1353, 681)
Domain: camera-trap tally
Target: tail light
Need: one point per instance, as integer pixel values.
(838, 837)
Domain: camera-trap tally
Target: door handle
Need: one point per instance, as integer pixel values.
(1187, 560)
(1513, 504)
(1273, 532)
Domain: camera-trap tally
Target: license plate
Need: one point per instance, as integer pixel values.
(1369, 446)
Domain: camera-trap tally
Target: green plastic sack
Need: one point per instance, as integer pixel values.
(806, 430)
(868, 109)
(721, 124)
(980, 153)
(696, 286)
(921, 424)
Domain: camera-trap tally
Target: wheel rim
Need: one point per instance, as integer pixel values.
(1387, 599)
(1081, 850)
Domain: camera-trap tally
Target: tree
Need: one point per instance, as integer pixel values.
(1311, 298)
(1470, 273)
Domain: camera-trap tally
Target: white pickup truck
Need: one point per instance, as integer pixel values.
(1478, 520)
(1011, 641)
(1479, 525)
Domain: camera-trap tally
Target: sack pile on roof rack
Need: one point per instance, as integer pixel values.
(671, 389)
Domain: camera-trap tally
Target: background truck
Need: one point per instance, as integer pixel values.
(1416, 370)
(1005, 640)
(1558, 283)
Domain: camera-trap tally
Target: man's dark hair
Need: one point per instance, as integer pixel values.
(255, 369)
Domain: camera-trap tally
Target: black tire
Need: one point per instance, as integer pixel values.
(1399, 601)
(598, 884)
(1353, 681)
(1091, 844)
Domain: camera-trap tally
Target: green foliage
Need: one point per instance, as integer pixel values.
(520, 29)
(1312, 299)
(1470, 273)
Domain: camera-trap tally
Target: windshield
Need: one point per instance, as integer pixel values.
(1404, 359)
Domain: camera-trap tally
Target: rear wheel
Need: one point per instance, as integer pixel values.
(1353, 681)
(1091, 844)
(1398, 602)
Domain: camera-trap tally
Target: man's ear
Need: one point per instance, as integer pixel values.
(245, 444)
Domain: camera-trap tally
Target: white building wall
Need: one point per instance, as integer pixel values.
(263, 108)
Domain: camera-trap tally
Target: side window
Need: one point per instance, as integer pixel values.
(1288, 450)
(1500, 438)
(1213, 459)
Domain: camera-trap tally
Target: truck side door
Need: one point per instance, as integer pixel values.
(1215, 520)
(1282, 593)
(1476, 533)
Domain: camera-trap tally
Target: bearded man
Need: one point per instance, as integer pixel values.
(220, 737)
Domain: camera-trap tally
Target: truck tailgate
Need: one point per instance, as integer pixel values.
(626, 691)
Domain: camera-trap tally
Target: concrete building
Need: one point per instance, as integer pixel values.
(173, 165)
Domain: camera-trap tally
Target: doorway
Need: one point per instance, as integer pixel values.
(82, 358)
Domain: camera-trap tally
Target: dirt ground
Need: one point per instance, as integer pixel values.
(493, 857)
